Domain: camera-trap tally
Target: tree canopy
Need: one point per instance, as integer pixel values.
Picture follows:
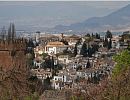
(84, 50)
(75, 50)
(122, 62)
(108, 34)
(118, 87)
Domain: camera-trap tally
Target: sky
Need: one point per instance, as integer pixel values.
(33, 15)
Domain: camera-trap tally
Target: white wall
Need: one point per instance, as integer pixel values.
(55, 83)
(54, 50)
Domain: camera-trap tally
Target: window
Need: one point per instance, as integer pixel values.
(64, 60)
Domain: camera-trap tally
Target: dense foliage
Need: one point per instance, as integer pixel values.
(122, 62)
(118, 87)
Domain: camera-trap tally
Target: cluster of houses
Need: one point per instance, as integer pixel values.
(77, 69)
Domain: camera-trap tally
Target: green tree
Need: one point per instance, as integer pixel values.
(92, 35)
(87, 35)
(118, 87)
(108, 34)
(79, 68)
(48, 63)
(89, 51)
(110, 44)
(47, 83)
(32, 97)
(88, 65)
(30, 58)
(44, 55)
(125, 36)
(84, 50)
(122, 62)
(95, 48)
(97, 36)
(105, 43)
(64, 41)
(75, 50)
(95, 79)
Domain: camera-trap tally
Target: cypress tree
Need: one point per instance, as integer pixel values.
(84, 50)
(110, 44)
(52, 63)
(75, 50)
(108, 34)
(88, 64)
(97, 36)
(105, 43)
(89, 52)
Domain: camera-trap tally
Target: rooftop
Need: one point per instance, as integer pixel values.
(57, 44)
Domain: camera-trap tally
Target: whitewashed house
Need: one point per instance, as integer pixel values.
(38, 50)
(41, 73)
(80, 73)
(64, 59)
(72, 40)
(37, 62)
(115, 42)
(58, 82)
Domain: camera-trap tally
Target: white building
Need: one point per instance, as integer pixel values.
(55, 47)
(41, 73)
(80, 73)
(38, 50)
(72, 40)
(115, 42)
(58, 82)
(73, 65)
(64, 59)
(37, 62)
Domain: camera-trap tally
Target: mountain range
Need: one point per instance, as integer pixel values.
(116, 21)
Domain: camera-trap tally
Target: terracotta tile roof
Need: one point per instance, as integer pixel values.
(57, 44)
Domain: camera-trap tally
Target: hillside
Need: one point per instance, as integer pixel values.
(117, 20)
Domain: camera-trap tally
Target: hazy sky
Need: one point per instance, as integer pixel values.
(48, 14)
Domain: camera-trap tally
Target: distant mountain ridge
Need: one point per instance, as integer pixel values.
(118, 20)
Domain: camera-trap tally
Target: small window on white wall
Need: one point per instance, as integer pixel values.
(56, 83)
(64, 60)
